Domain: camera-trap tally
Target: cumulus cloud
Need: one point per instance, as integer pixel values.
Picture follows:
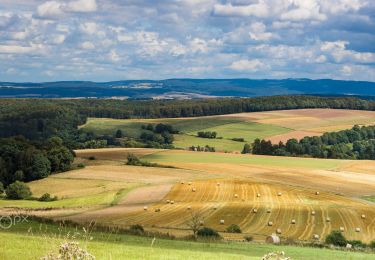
(56, 9)
(248, 65)
(258, 32)
(257, 10)
(102, 40)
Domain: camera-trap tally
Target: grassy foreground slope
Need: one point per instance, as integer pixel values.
(32, 241)
(273, 125)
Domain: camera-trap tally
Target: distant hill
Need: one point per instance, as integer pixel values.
(185, 88)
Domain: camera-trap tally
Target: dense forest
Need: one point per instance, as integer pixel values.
(355, 143)
(38, 135)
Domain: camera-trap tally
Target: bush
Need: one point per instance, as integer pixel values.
(208, 232)
(336, 238)
(357, 243)
(372, 244)
(17, 191)
(136, 229)
(47, 197)
(80, 166)
(1, 188)
(249, 238)
(234, 229)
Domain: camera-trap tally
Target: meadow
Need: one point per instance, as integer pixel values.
(273, 125)
(33, 240)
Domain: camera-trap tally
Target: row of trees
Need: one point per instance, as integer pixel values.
(355, 143)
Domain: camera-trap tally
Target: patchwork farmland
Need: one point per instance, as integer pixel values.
(273, 125)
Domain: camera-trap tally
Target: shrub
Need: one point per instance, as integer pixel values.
(18, 190)
(208, 232)
(133, 160)
(357, 243)
(372, 244)
(136, 229)
(119, 134)
(234, 229)
(238, 139)
(47, 197)
(249, 238)
(336, 238)
(80, 166)
(1, 188)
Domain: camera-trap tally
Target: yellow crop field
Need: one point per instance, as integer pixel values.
(246, 190)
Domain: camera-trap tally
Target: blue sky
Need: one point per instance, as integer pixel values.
(105, 40)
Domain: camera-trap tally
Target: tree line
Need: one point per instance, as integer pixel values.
(355, 143)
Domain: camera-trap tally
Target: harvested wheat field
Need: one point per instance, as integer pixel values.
(247, 190)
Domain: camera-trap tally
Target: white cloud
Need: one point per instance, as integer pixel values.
(113, 56)
(56, 9)
(340, 54)
(347, 70)
(87, 45)
(257, 10)
(258, 32)
(83, 6)
(17, 49)
(247, 65)
(50, 9)
(89, 27)
(58, 39)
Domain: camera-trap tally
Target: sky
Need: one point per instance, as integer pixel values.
(105, 40)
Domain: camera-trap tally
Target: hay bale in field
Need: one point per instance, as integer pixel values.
(317, 193)
(222, 221)
(258, 195)
(193, 189)
(273, 239)
(201, 222)
(316, 236)
(268, 210)
(145, 208)
(349, 246)
(279, 194)
(189, 183)
(278, 231)
(236, 195)
(342, 229)
(215, 207)
(363, 216)
(270, 223)
(168, 201)
(357, 229)
(313, 213)
(218, 184)
(328, 219)
(189, 208)
(172, 202)
(293, 221)
(255, 210)
(157, 210)
(182, 182)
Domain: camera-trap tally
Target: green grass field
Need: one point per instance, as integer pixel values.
(33, 240)
(226, 128)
